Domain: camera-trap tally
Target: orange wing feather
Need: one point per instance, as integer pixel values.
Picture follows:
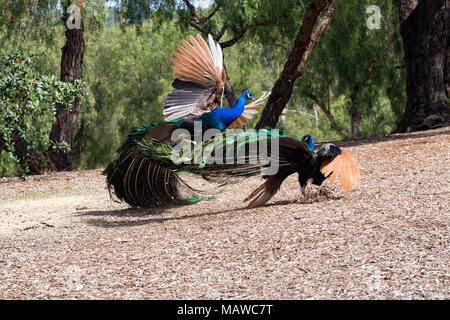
(194, 63)
(249, 111)
(345, 166)
(238, 123)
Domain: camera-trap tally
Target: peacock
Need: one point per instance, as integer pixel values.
(196, 99)
(148, 172)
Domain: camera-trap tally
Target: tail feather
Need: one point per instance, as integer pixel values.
(143, 183)
(144, 175)
(140, 180)
(266, 191)
(162, 132)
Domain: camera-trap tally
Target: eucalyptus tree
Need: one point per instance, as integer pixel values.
(357, 65)
(316, 20)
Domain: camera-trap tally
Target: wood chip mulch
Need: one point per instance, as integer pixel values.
(61, 237)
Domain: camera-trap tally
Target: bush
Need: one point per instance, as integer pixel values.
(27, 108)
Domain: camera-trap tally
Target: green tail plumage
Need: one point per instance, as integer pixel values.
(137, 179)
(148, 167)
(144, 174)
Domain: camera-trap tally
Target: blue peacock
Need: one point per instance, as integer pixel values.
(144, 175)
(198, 93)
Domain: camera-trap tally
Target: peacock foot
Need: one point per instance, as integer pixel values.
(327, 192)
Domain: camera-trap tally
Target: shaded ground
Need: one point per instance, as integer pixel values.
(62, 237)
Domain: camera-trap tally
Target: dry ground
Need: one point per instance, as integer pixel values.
(62, 237)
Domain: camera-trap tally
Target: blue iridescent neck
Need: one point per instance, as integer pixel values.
(311, 145)
(308, 142)
(231, 114)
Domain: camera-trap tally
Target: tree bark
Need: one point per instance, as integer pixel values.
(66, 124)
(35, 160)
(356, 123)
(425, 31)
(317, 19)
(229, 91)
(447, 68)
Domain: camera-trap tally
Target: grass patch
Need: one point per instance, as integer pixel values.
(36, 196)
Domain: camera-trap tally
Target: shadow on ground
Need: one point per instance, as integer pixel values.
(156, 215)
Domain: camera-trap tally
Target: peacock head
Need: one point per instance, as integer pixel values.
(308, 142)
(247, 94)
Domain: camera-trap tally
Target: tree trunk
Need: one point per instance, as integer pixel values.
(425, 31)
(66, 124)
(356, 122)
(309, 35)
(447, 68)
(327, 112)
(33, 159)
(229, 91)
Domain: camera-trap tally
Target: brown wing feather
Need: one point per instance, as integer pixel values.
(206, 63)
(185, 63)
(187, 75)
(196, 64)
(238, 123)
(355, 173)
(346, 175)
(336, 170)
(205, 48)
(248, 113)
(219, 71)
(345, 166)
(264, 192)
(199, 63)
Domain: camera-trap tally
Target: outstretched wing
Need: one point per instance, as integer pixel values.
(200, 79)
(344, 165)
(289, 149)
(249, 112)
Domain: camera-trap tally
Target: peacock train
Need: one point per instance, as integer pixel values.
(148, 168)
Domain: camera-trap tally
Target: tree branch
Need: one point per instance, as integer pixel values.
(222, 32)
(235, 39)
(191, 8)
(317, 33)
(406, 8)
(194, 20)
(210, 15)
(327, 112)
(315, 22)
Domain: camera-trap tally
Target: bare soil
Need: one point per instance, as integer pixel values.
(61, 237)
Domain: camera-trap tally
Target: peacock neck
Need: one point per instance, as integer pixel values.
(229, 115)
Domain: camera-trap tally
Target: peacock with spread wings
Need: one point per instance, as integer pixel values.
(144, 173)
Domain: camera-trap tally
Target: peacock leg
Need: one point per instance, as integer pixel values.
(304, 190)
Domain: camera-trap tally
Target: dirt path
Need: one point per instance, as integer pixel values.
(62, 237)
